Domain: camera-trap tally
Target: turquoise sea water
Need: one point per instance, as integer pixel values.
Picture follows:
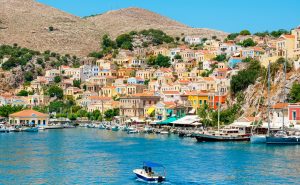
(92, 156)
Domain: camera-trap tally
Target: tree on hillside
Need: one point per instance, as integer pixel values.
(55, 91)
(77, 83)
(232, 36)
(23, 93)
(160, 60)
(294, 95)
(220, 58)
(245, 77)
(247, 43)
(245, 32)
(57, 79)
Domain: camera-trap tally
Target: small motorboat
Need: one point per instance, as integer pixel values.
(92, 125)
(135, 131)
(31, 129)
(115, 128)
(102, 127)
(148, 175)
(3, 128)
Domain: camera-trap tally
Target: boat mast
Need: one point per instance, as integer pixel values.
(269, 98)
(219, 111)
(284, 94)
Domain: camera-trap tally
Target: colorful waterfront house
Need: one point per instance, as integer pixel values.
(132, 89)
(38, 100)
(105, 64)
(135, 80)
(171, 96)
(162, 72)
(137, 105)
(252, 52)
(220, 72)
(296, 33)
(73, 91)
(279, 114)
(28, 117)
(108, 91)
(285, 46)
(125, 72)
(107, 72)
(136, 62)
(145, 74)
(51, 74)
(233, 61)
(216, 99)
(294, 113)
(197, 98)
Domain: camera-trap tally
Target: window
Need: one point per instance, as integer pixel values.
(294, 115)
(200, 102)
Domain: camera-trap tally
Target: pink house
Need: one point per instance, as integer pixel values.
(294, 113)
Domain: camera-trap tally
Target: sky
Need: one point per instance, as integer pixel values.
(226, 15)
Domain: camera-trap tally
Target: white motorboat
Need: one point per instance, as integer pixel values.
(148, 175)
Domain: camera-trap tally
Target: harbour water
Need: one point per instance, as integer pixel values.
(93, 156)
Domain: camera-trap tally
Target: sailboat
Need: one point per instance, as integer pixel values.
(225, 134)
(282, 137)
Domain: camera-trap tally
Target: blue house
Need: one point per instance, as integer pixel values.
(135, 80)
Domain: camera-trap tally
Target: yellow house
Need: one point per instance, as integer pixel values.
(197, 98)
(108, 91)
(296, 33)
(285, 46)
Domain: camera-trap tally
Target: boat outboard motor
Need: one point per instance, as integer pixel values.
(160, 179)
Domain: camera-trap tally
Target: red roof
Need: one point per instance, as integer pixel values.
(280, 105)
(289, 36)
(28, 113)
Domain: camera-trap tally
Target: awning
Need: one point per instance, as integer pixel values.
(150, 110)
(167, 121)
(187, 120)
(151, 164)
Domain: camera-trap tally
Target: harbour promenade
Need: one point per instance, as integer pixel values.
(95, 156)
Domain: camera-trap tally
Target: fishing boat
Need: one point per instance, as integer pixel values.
(102, 127)
(148, 175)
(115, 128)
(133, 131)
(92, 125)
(31, 129)
(3, 128)
(227, 134)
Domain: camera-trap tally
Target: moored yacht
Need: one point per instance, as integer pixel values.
(226, 134)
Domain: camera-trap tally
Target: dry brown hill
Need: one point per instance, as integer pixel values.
(125, 20)
(27, 23)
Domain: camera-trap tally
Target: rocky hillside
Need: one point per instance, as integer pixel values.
(37, 26)
(128, 19)
(257, 93)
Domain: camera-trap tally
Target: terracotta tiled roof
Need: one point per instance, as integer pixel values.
(208, 79)
(28, 113)
(171, 92)
(280, 105)
(99, 98)
(289, 36)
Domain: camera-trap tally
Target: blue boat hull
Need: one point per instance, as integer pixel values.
(283, 140)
